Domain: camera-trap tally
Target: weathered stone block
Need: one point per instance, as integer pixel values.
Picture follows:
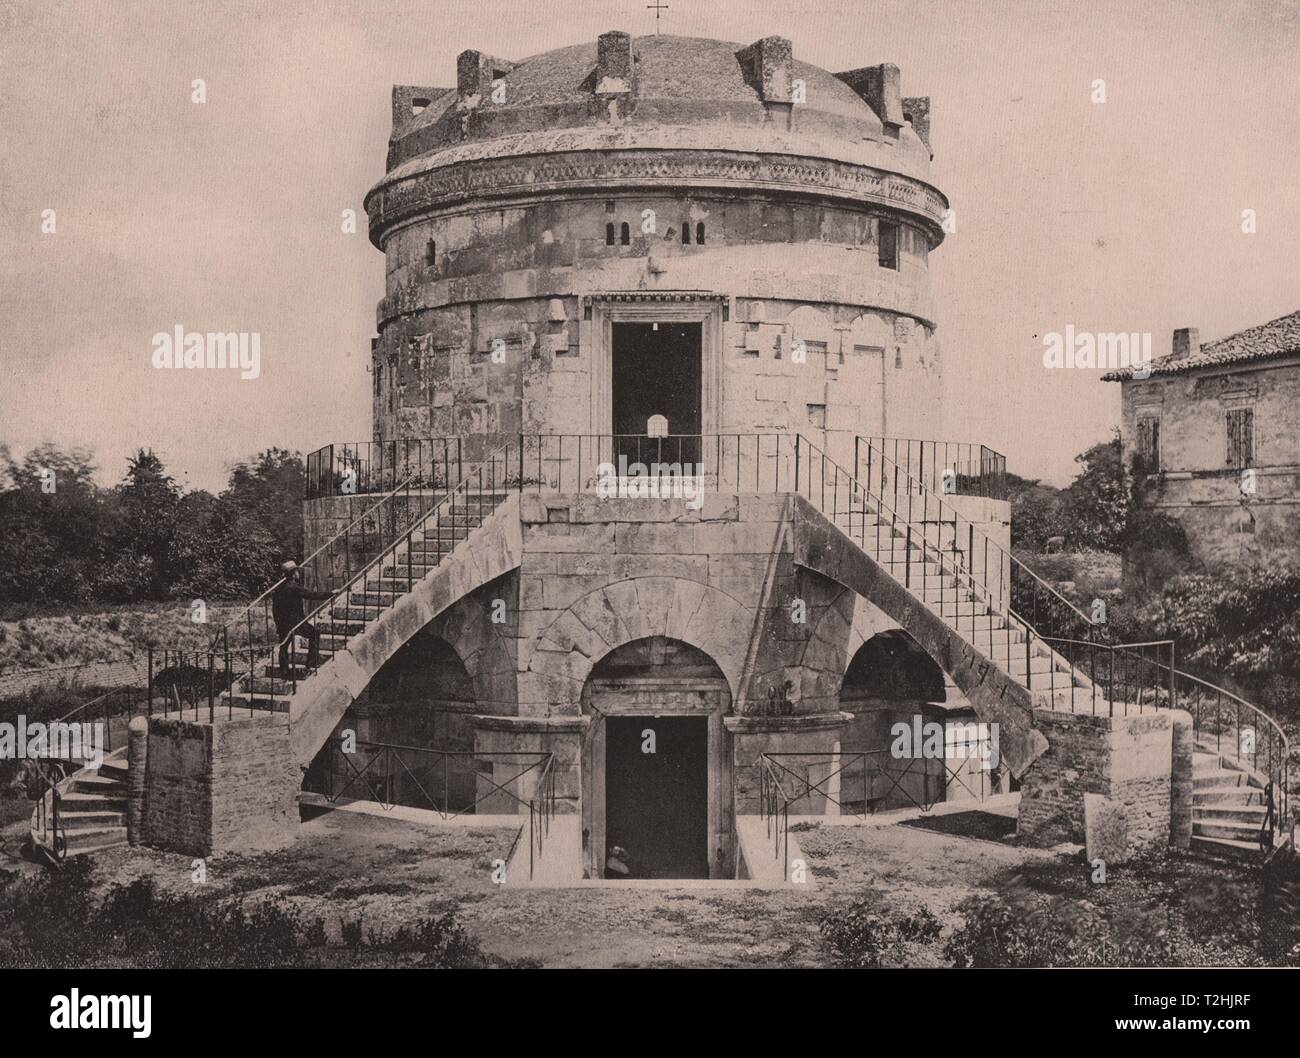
(1106, 829)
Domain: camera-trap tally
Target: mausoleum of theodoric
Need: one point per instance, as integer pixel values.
(658, 533)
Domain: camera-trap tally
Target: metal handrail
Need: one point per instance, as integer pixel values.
(948, 564)
(346, 590)
(974, 461)
(343, 533)
(973, 533)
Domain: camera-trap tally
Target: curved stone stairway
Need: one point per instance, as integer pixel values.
(92, 808)
(1228, 805)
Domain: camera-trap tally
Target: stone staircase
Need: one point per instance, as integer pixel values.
(960, 599)
(915, 538)
(1228, 806)
(369, 595)
(92, 810)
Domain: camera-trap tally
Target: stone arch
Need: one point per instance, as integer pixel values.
(890, 680)
(673, 807)
(485, 645)
(493, 550)
(423, 695)
(892, 665)
(697, 614)
(812, 324)
(843, 624)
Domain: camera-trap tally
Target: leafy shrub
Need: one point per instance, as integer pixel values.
(1061, 932)
(54, 919)
(863, 936)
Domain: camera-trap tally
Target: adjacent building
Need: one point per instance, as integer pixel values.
(1216, 429)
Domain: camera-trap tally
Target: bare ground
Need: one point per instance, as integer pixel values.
(381, 873)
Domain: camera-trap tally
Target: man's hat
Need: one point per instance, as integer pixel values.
(289, 566)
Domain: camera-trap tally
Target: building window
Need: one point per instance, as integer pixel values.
(609, 234)
(1148, 444)
(431, 253)
(686, 233)
(888, 245)
(624, 234)
(699, 234)
(1241, 437)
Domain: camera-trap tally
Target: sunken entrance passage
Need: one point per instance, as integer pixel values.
(656, 803)
(656, 764)
(657, 371)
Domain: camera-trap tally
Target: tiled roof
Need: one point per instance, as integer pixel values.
(1266, 341)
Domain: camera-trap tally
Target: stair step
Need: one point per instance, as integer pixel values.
(113, 771)
(1242, 795)
(959, 608)
(1226, 810)
(98, 783)
(93, 802)
(1234, 829)
(87, 839)
(1227, 847)
(91, 818)
(1219, 777)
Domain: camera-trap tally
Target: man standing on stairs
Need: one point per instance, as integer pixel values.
(286, 608)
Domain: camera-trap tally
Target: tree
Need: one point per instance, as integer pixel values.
(269, 491)
(146, 506)
(1097, 501)
(51, 525)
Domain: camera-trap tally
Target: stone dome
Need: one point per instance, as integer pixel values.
(667, 93)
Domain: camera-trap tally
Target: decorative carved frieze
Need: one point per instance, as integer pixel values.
(426, 192)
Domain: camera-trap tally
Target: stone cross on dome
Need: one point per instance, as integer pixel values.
(656, 7)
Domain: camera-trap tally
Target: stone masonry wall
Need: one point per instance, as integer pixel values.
(232, 785)
(1126, 759)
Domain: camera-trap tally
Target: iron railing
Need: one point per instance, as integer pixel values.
(448, 782)
(988, 595)
(861, 782)
(950, 468)
(351, 468)
(979, 576)
(394, 567)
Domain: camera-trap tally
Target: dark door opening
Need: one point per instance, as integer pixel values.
(657, 371)
(657, 804)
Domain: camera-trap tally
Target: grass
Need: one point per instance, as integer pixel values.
(369, 891)
(35, 637)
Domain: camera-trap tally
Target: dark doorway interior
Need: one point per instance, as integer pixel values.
(657, 371)
(657, 804)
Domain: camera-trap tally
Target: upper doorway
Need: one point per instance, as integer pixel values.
(657, 371)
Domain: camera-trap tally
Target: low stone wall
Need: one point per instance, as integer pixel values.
(522, 736)
(815, 736)
(216, 787)
(1142, 762)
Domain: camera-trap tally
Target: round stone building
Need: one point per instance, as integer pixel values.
(741, 199)
(698, 254)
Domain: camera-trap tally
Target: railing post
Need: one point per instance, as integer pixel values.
(1029, 662)
(907, 559)
(1173, 682)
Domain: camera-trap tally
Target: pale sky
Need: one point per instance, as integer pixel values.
(1123, 216)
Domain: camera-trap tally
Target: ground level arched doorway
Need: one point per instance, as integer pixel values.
(656, 763)
(409, 734)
